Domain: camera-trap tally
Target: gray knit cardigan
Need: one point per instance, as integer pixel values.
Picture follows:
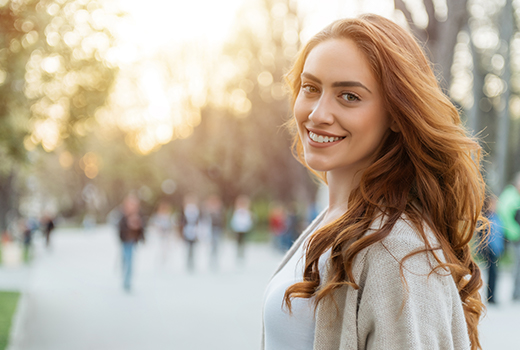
(425, 312)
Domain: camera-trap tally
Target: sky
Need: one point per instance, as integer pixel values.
(212, 21)
(150, 39)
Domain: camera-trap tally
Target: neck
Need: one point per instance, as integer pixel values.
(340, 187)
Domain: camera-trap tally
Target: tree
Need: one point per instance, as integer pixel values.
(256, 157)
(440, 34)
(491, 28)
(53, 77)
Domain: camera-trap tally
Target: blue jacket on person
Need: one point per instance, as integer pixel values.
(495, 240)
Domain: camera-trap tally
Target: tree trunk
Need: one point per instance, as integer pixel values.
(6, 199)
(474, 114)
(504, 120)
(446, 39)
(439, 37)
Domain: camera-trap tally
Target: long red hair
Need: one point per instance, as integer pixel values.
(429, 171)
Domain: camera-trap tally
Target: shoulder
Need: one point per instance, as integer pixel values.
(404, 238)
(404, 302)
(404, 252)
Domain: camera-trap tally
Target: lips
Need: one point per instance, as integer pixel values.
(324, 138)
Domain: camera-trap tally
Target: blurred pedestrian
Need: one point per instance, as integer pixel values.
(131, 231)
(388, 264)
(48, 227)
(277, 224)
(492, 246)
(508, 206)
(214, 210)
(293, 226)
(241, 223)
(89, 222)
(27, 236)
(162, 220)
(312, 212)
(190, 227)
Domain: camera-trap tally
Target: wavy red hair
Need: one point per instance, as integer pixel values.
(429, 171)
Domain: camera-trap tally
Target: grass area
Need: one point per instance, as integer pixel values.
(258, 236)
(8, 301)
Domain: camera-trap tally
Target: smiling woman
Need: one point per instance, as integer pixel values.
(388, 264)
(335, 102)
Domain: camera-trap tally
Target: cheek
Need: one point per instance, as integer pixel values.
(377, 120)
(299, 119)
(300, 110)
(298, 113)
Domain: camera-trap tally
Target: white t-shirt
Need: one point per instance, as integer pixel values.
(241, 220)
(284, 330)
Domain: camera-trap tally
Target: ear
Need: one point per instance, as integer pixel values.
(394, 127)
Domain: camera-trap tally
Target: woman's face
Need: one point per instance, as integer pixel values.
(339, 109)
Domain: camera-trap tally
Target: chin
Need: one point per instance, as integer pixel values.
(317, 165)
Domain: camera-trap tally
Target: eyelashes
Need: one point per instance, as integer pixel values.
(350, 97)
(309, 89)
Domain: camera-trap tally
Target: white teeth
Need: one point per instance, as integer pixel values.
(323, 139)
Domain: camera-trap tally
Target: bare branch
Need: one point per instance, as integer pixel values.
(401, 6)
(433, 24)
(418, 32)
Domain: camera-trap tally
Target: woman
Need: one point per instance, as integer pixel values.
(388, 264)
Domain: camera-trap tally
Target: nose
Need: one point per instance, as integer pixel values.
(322, 111)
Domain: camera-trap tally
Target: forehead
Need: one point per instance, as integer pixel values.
(339, 60)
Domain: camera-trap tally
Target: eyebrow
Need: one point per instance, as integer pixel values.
(337, 83)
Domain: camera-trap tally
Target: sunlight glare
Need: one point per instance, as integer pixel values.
(172, 22)
(167, 51)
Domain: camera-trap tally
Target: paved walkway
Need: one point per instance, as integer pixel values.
(73, 298)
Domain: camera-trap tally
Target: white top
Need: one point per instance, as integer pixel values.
(284, 330)
(241, 220)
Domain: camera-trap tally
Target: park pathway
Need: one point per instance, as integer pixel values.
(73, 298)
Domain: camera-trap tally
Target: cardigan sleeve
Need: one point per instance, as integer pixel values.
(408, 308)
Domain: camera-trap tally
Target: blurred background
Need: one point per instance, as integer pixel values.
(181, 105)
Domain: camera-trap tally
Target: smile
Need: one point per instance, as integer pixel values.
(323, 139)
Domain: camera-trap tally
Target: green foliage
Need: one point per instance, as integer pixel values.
(8, 302)
(53, 78)
(59, 79)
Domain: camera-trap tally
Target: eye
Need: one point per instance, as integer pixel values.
(309, 89)
(349, 97)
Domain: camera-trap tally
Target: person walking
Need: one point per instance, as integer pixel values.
(214, 211)
(278, 225)
(131, 231)
(163, 223)
(492, 246)
(190, 227)
(48, 227)
(27, 236)
(241, 224)
(388, 264)
(508, 206)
